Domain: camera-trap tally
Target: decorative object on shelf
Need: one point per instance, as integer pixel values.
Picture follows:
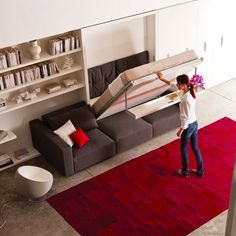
(3, 105)
(53, 87)
(68, 63)
(197, 82)
(3, 134)
(34, 49)
(69, 82)
(25, 96)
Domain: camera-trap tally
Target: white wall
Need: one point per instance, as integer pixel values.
(30, 19)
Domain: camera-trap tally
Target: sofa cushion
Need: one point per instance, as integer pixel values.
(99, 148)
(164, 120)
(65, 131)
(79, 138)
(81, 117)
(100, 77)
(131, 62)
(125, 130)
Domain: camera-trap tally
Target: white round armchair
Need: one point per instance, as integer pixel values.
(33, 182)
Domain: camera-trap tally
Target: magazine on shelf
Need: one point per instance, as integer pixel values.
(21, 153)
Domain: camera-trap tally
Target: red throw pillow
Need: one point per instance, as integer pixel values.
(79, 138)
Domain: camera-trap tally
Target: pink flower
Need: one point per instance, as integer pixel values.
(197, 80)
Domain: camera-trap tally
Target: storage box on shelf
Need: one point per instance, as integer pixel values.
(23, 82)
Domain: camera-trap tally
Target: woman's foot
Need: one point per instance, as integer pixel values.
(179, 171)
(198, 174)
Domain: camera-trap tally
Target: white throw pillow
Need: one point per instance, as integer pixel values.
(65, 131)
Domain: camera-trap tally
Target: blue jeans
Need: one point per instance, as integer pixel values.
(191, 134)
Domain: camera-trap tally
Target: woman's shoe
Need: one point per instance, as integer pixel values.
(195, 172)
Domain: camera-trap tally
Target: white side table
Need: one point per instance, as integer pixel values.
(33, 182)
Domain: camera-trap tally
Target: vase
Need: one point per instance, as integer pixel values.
(34, 49)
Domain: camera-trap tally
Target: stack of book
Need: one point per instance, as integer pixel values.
(5, 160)
(63, 44)
(28, 74)
(9, 57)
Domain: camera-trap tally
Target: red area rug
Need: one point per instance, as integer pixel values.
(145, 196)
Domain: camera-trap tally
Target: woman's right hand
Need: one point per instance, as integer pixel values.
(159, 75)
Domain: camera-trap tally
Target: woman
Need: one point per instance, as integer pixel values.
(188, 130)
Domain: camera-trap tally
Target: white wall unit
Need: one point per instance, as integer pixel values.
(206, 20)
(224, 41)
(177, 29)
(216, 40)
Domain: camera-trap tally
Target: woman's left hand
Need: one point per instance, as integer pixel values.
(180, 131)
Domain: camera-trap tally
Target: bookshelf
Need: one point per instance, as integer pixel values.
(67, 60)
(12, 93)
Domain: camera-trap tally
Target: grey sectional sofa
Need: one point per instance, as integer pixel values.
(107, 136)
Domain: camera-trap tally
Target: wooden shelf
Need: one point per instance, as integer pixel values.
(61, 73)
(11, 106)
(43, 57)
(32, 153)
(10, 136)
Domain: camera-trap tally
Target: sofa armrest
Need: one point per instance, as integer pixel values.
(52, 147)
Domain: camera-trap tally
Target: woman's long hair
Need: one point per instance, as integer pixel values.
(184, 79)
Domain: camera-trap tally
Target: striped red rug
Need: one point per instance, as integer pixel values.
(145, 196)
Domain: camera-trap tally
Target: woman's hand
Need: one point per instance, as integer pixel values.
(179, 133)
(159, 75)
